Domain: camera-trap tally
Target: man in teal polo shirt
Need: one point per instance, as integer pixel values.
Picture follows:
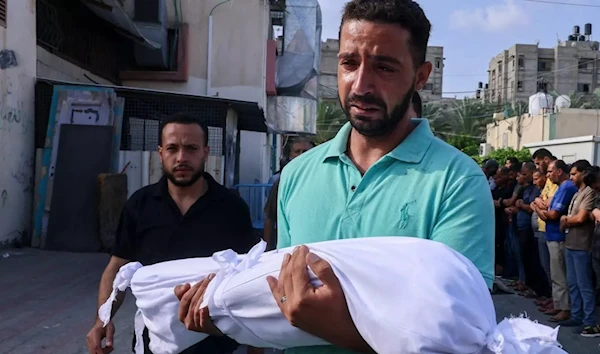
(384, 174)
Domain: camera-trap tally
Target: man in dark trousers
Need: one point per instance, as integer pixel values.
(186, 214)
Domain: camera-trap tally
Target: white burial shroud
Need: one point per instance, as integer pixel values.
(405, 295)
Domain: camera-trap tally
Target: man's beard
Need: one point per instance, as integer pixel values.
(183, 183)
(380, 126)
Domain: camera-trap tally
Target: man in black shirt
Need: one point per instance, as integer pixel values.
(186, 214)
(503, 191)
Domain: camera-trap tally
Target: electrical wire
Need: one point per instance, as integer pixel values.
(563, 3)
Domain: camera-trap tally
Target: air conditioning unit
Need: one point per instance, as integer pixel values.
(485, 149)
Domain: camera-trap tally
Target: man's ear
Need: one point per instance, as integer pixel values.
(422, 75)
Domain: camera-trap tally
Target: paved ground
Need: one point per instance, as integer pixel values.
(48, 300)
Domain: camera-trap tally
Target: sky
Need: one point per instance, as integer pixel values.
(472, 32)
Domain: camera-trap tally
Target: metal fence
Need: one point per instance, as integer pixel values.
(255, 195)
(142, 114)
(68, 29)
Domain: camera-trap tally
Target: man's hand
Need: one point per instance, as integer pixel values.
(539, 203)
(563, 223)
(193, 317)
(519, 203)
(497, 203)
(97, 334)
(510, 211)
(320, 311)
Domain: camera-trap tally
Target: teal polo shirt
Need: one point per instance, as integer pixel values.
(423, 188)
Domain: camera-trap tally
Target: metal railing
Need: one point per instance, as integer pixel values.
(255, 195)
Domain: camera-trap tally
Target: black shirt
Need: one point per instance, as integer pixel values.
(504, 192)
(152, 230)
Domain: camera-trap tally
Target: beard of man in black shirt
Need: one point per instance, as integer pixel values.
(186, 214)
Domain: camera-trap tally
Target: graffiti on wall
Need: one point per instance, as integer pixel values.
(14, 119)
(23, 174)
(7, 59)
(3, 198)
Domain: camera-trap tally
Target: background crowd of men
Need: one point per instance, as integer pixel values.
(547, 235)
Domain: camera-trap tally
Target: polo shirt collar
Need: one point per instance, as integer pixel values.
(411, 150)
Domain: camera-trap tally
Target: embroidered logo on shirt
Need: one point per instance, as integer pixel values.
(405, 214)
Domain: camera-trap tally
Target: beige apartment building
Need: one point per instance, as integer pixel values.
(328, 78)
(524, 69)
(516, 132)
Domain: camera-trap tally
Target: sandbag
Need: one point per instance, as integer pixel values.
(405, 295)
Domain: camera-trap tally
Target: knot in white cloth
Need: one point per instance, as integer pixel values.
(231, 263)
(121, 283)
(520, 335)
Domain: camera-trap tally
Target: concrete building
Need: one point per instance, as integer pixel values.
(328, 79)
(219, 52)
(517, 132)
(524, 69)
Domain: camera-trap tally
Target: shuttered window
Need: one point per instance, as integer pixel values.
(3, 13)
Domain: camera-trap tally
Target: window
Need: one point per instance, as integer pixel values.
(3, 13)
(519, 86)
(585, 65)
(428, 87)
(521, 62)
(277, 30)
(438, 63)
(544, 65)
(543, 86)
(504, 139)
(585, 88)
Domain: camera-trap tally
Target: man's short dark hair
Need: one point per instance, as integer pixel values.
(541, 153)
(405, 13)
(529, 166)
(591, 175)
(581, 165)
(504, 170)
(561, 165)
(417, 104)
(540, 171)
(513, 160)
(183, 118)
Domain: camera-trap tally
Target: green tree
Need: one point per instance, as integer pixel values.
(438, 119)
(501, 155)
(330, 119)
(465, 144)
(470, 117)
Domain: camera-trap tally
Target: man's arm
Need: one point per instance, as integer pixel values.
(558, 206)
(122, 251)
(106, 284)
(271, 215)
(525, 207)
(587, 206)
(466, 223)
(283, 228)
